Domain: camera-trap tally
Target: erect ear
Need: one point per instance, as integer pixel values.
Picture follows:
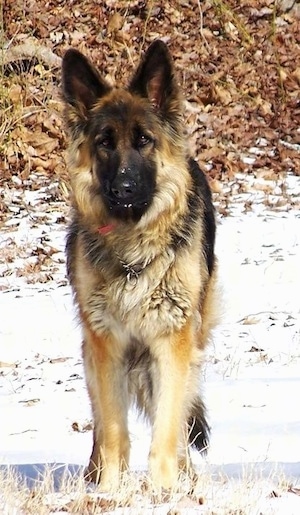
(154, 78)
(81, 83)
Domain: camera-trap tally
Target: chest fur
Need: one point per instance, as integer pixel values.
(160, 300)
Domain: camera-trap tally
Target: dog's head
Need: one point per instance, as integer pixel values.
(119, 135)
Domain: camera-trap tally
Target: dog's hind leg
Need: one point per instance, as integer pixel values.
(107, 386)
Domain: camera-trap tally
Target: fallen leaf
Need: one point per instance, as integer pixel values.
(58, 360)
(115, 23)
(255, 349)
(4, 364)
(30, 402)
(250, 320)
(79, 428)
(15, 93)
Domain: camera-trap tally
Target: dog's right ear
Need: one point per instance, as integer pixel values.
(81, 84)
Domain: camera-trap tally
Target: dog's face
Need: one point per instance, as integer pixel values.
(119, 131)
(123, 142)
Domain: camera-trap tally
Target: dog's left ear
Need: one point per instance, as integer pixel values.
(154, 78)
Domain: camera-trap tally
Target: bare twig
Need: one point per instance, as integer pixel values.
(201, 25)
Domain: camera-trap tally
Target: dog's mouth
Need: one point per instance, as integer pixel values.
(126, 204)
(129, 208)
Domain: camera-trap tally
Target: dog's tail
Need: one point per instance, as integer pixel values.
(199, 429)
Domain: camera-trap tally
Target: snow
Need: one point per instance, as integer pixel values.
(252, 374)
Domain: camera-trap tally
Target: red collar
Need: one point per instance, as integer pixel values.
(106, 229)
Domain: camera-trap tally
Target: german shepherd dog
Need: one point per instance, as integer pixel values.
(140, 257)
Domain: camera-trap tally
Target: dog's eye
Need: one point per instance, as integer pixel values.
(142, 140)
(106, 141)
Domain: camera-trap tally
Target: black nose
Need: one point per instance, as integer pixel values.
(124, 188)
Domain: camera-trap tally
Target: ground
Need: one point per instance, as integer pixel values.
(237, 63)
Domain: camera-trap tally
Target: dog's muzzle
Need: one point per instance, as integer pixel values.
(129, 193)
(126, 188)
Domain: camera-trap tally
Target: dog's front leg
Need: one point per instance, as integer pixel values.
(107, 386)
(173, 357)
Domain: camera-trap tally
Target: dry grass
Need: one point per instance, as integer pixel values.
(208, 494)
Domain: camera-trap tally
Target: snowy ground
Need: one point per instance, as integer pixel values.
(252, 375)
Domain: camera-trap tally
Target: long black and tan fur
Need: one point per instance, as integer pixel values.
(141, 263)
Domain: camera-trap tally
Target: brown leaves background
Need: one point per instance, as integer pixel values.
(237, 62)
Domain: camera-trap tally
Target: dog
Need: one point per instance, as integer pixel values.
(141, 263)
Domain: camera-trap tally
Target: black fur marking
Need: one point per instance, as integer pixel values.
(200, 193)
(70, 248)
(204, 193)
(199, 429)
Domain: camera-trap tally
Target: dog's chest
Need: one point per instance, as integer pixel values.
(142, 305)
